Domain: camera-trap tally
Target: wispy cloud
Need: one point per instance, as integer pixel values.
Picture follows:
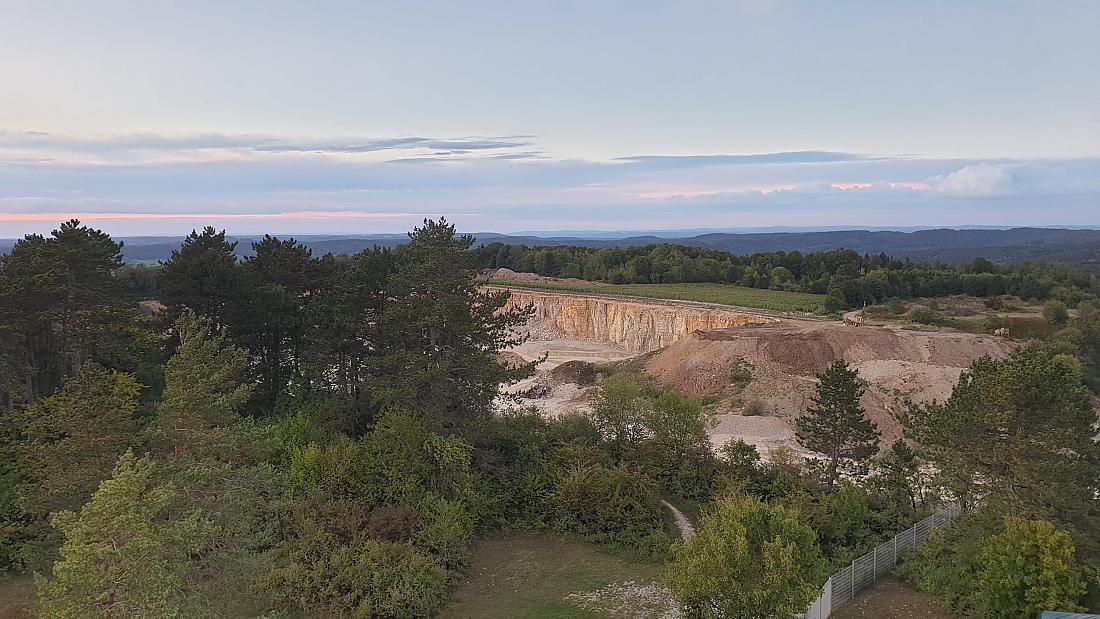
(507, 183)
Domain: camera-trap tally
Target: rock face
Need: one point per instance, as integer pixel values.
(636, 326)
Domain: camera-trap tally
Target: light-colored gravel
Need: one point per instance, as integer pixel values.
(628, 600)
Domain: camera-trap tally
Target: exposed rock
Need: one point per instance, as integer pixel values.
(636, 326)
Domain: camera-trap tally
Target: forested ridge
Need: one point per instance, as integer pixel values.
(850, 279)
(294, 435)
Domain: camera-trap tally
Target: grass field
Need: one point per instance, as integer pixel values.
(722, 294)
(17, 599)
(530, 575)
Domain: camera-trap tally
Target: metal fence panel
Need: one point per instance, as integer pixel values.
(865, 570)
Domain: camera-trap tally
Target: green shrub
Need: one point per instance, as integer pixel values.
(364, 579)
(609, 504)
(754, 408)
(1055, 312)
(923, 315)
(1028, 568)
(946, 565)
(740, 372)
(445, 531)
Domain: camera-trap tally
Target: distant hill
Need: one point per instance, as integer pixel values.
(1070, 246)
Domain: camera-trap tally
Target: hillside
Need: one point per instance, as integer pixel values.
(941, 245)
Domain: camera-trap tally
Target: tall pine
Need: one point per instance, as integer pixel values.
(439, 335)
(836, 424)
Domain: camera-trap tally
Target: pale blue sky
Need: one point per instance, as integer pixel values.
(366, 116)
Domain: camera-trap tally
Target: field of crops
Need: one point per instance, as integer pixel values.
(722, 294)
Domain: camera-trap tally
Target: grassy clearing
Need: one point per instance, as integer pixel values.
(721, 294)
(530, 575)
(17, 597)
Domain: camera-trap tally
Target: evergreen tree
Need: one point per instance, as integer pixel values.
(125, 553)
(1017, 431)
(65, 445)
(341, 336)
(203, 386)
(61, 307)
(836, 424)
(439, 335)
(203, 275)
(282, 279)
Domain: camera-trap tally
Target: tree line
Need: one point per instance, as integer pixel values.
(850, 279)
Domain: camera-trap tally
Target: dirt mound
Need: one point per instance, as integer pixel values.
(579, 373)
(786, 356)
(511, 360)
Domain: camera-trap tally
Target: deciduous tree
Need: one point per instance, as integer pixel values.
(747, 560)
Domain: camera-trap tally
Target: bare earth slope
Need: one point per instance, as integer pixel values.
(786, 355)
(636, 326)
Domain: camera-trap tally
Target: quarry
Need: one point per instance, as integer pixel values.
(694, 347)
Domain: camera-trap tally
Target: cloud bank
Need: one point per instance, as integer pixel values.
(166, 184)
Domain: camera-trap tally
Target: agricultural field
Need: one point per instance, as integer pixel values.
(720, 294)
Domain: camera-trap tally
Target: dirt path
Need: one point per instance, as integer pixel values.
(890, 598)
(682, 522)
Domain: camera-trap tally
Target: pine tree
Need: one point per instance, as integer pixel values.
(837, 426)
(282, 278)
(439, 335)
(65, 445)
(1018, 431)
(125, 553)
(203, 387)
(203, 275)
(61, 307)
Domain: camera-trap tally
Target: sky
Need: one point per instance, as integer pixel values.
(366, 117)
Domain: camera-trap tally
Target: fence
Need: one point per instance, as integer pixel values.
(865, 570)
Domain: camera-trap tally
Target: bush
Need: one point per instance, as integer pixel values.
(366, 579)
(446, 529)
(923, 316)
(609, 504)
(946, 565)
(740, 372)
(392, 523)
(754, 408)
(1055, 312)
(1029, 568)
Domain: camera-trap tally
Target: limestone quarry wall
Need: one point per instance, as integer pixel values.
(635, 325)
